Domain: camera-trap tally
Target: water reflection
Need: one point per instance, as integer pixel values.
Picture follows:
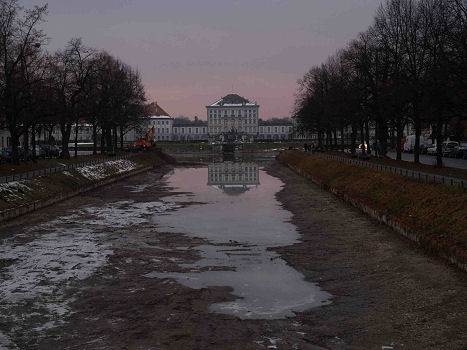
(241, 230)
(232, 177)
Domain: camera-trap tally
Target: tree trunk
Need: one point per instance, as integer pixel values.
(14, 148)
(121, 137)
(342, 139)
(33, 143)
(320, 139)
(26, 145)
(367, 133)
(418, 132)
(108, 140)
(76, 139)
(400, 132)
(94, 138)
(439, 142)
(362, 137)
(102, 141)
(65, 129)
(115, 139)
(353, 139)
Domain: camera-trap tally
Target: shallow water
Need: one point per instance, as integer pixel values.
(239, 214)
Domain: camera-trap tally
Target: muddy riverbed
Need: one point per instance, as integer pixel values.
(234, 256)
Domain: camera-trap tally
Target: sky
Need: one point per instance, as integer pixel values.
(190, 53)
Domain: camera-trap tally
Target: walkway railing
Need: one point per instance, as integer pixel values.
(61, 168)
(422, 176)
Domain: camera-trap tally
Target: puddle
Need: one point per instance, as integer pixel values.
(241, 218)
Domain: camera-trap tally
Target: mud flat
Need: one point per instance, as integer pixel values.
(386, 290)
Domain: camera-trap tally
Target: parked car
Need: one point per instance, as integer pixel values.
(460, 152)
(449, 147)
(431, 149)
(51, 151)
(40, 152)
(359, 151)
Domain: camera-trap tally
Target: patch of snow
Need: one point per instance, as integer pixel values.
(14, 189)
(67, 173)
(42, 270)
(100, 171)
(139, 188)
(126, 213)
(5, 343)
(70, 248)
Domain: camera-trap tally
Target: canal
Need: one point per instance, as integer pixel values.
(225, 255)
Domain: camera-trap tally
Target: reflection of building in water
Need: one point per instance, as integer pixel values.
(233, 177)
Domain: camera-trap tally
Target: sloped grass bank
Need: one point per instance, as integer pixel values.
(20, 197)
(432, 215)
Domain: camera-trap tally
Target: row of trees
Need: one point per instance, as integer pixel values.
(408, 67)
(40, 90)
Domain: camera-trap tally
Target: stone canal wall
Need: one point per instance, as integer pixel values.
(21, 197)
(431, 215)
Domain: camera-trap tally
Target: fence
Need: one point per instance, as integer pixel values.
(59, 169)
(427, 177)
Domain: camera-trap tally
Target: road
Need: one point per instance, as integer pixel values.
(431, 160)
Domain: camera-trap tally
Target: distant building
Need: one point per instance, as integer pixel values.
(190, 130)
(275, 130)
(233, 112)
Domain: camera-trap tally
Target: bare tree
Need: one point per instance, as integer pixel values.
(20, 42)
(72, 69)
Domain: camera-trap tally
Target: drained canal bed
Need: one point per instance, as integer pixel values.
(240, 217)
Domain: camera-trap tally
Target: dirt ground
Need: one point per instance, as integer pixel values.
(386, 292)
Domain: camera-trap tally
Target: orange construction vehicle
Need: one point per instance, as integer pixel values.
(146, 142)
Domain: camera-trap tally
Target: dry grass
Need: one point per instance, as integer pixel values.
(433, 210)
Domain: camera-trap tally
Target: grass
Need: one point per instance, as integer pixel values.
(433, 210)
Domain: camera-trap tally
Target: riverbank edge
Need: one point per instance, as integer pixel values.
(452, 253)
(16, 212)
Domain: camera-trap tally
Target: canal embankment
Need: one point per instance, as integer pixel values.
(431, 215)
(27, 195)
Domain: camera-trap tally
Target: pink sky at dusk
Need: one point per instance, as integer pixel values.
(191, 52)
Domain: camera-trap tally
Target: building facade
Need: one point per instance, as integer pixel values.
(233, 113)
(190, 130)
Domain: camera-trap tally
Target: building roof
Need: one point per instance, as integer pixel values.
(153, 109)
(232, 100)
